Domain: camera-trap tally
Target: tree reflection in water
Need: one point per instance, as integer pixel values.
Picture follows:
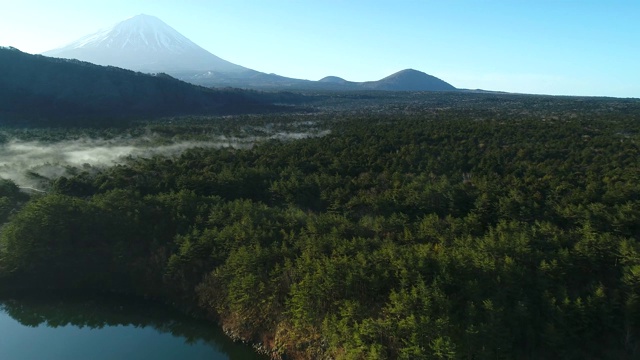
(53, 310)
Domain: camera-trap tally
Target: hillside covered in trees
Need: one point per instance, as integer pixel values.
(436, 226)
(57, 91)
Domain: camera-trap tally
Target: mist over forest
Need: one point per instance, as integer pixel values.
(35, 163)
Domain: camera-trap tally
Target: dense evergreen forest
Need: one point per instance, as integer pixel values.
(429, 226)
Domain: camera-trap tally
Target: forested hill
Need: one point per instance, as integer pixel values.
(35, 86)
(409, 80)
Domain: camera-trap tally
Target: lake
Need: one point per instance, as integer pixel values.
(54, 327)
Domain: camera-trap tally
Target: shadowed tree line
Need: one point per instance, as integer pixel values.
(35, 89)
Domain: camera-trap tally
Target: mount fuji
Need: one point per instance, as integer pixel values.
(145, 43)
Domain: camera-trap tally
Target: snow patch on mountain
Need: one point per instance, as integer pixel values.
(144, 43)
(142, 32)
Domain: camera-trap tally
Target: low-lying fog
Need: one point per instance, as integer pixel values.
(32, 164)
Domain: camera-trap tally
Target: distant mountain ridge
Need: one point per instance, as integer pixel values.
(409, 80)
(333, 80)
(35, 86)
(145, 43)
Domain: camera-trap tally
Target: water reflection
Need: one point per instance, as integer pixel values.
(55, 327)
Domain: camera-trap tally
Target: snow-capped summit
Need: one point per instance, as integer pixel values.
(144, 43)
(139, 33)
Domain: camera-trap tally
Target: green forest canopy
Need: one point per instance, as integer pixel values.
(505, 229)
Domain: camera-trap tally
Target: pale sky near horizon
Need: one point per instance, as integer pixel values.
(562, 47)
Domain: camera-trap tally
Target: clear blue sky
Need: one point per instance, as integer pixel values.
(578, 47)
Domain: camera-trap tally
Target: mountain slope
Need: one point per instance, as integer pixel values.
(43, 87)
(144, 43)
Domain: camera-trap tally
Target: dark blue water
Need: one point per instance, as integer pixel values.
(55, 328)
